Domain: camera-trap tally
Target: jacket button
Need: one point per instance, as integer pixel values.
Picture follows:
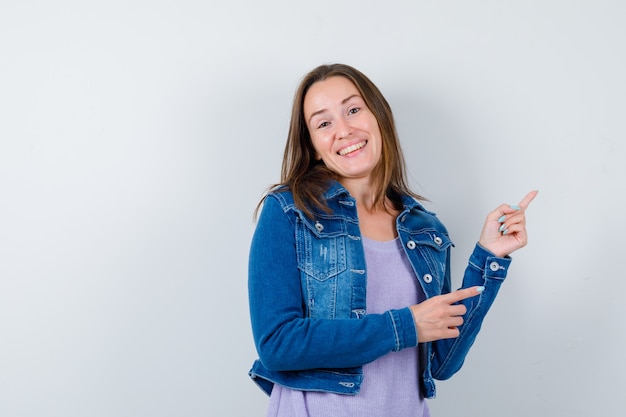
(319, 226)
(428, 278)
(494, 266)
(438, 240)
(410, 244)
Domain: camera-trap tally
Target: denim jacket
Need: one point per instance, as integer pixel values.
(307, 281)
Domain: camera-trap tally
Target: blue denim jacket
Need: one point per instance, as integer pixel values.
(307, 281)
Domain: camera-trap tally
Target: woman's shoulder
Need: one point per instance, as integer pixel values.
(417, 216)
(282, 194)
(279, 199)
(412, 204)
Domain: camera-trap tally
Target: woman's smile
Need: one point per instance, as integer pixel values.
(352, 148)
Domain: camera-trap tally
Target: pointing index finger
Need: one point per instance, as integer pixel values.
(459, 295)
(529, 197)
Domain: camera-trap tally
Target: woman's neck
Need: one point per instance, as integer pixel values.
(378, 223)
(377, 220)
(363, 192)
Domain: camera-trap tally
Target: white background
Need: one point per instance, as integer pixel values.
(136, 138)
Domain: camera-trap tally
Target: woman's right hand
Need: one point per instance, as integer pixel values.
(439, 317)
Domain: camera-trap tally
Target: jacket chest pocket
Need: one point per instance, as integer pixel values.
(321, 253)
(322, 262)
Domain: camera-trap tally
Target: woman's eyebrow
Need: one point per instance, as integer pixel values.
(344, 101)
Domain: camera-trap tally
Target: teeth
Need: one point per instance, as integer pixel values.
(351, 148)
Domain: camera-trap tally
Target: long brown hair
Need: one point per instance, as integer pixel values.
(307, 178)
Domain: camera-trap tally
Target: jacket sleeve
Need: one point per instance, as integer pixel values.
(483, 269)
(285, 339)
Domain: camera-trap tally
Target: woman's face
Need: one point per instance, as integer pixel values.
(344, 132)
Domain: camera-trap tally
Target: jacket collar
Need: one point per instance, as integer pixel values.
(336, 190)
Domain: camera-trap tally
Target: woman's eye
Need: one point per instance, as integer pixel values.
(323, 124)
(354, 110)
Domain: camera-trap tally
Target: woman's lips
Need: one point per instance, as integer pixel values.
(352, 148)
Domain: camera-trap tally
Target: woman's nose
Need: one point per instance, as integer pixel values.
(343, 129)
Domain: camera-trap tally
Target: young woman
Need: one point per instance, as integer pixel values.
(349, 275)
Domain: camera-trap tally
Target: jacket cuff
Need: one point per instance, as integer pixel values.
(491, 266)
(404, 328)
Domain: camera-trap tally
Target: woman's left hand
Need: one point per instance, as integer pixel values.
(504, 230)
